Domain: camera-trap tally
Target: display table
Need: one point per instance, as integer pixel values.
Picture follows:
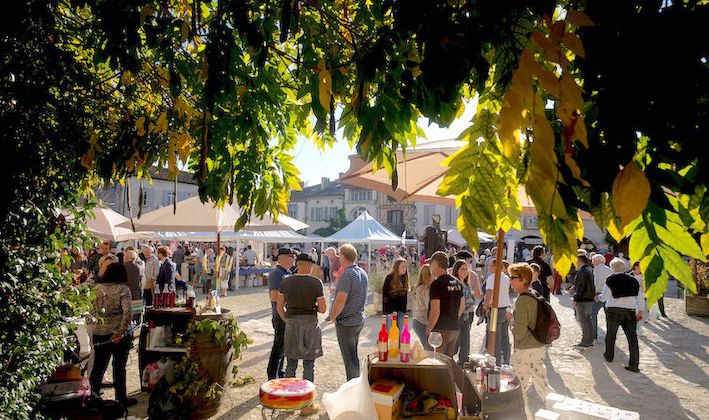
(253, 276)
(174, 319)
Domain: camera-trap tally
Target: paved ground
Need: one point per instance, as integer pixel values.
(673, 383)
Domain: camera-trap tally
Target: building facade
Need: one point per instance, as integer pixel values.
(158, 193)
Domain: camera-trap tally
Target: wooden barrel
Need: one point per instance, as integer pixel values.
(213, 362)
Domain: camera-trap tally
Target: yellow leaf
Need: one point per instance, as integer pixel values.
(631, 191)
(140, 126)
(162, 122)
(574, 167)
(578, 18)
(145, 12)
(615, 231)
(184, 31)
(550, 51)
(126, 77)
(416, 71)
(325, 88)
(573, 43)
(562, 264)
(704, 240)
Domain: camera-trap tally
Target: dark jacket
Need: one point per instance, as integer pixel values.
(135, 278)
(584, 289)
(166, 274)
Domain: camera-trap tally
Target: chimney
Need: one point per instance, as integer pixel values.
(340, 175)
(323, 182)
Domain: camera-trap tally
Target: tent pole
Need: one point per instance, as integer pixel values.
(369, 256)
(495, 294)
(238, 262)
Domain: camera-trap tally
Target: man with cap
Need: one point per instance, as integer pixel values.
(300, 299)
(286, 257)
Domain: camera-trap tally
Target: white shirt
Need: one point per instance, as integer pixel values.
(600, 274)
(629, 302)
(504, 294)
(250, 256)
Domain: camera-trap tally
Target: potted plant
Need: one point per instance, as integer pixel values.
(698, 305)
(376, 285)
(214, 343)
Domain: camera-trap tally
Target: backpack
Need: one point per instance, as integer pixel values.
(547, 328)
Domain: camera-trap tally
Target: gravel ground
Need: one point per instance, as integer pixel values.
(673, 383)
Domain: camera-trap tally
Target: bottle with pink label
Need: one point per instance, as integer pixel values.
(405, 338)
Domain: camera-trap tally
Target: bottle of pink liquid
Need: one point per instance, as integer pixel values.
(405, 338)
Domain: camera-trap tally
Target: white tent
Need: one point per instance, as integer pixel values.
(107, 225)
(456, 238)
(244, 235)
(365, 229)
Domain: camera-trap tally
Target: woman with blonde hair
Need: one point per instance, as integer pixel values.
(395, 291)
(421, 300)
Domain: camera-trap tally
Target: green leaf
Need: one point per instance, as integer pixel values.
(640, 243)
(678, 238)
(677, 267)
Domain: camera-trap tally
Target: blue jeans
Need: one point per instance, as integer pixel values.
(502, 338)
(464, 338)
(583, 317)
(420, 330)
(348, 339)
(594, 318)
(275, 360)
(399, 320)
(308, 369)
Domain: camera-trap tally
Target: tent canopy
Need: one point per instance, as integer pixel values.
(244, 235)
(365, 229)
(192, 215)
(456, 238)
(107, 225)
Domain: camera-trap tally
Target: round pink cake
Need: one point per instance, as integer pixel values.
(287, 393)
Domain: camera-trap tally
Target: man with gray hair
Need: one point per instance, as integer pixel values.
(348, 310)
(624, 301)
(135, 273)
(600, 273)
(152, 268)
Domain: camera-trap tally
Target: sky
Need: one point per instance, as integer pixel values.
(314, 165)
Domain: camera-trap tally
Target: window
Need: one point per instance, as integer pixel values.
(356, 212)
(530, 222)
(293, 210)
(148, 197)
(450, 215)
(167, 198)
(332, 213)
(360, 195)
(184, 195)
(428, 210)
(395, 217)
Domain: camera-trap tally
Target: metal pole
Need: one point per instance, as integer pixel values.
(369, 256)
(238, 261)
(492, 325)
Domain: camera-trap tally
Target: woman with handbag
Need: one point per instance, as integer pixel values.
(111, 317)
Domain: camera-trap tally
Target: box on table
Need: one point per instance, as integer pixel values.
(543, 414)
(626, 415)
(386, 395)
(553, 398)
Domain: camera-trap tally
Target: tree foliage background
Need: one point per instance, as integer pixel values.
(591, 105)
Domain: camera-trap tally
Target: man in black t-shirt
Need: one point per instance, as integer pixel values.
(546, 277)
(300, 298)
(447, 303)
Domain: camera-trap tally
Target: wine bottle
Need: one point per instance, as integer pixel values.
(383, 342)
(393, 337)
(405, 350)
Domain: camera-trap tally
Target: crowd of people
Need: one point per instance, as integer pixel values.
(452, 289)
